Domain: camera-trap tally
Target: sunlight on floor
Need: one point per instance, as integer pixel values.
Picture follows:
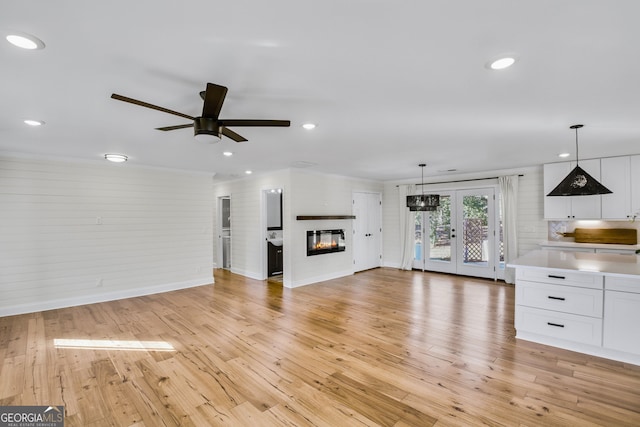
(89, 344)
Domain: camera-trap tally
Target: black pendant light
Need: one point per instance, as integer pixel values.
(423, 202)
(578, 182)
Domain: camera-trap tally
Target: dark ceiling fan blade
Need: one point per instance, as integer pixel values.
(146, 104)
(176, 127)
(213, 100)
(242, 122)
(231, 134)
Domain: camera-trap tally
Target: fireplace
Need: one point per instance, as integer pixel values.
(325, 241)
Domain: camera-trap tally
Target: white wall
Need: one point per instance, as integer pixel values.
(319, 194)
(76, 233)
(248, 231)
(532, 228)
(304, 193)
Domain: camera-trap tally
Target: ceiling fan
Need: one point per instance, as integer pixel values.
(208, 123)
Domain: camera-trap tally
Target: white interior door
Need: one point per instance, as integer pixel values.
(367, 230)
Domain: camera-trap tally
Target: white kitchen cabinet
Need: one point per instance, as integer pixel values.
(570, 207)
(622, 315)
(560, 305)
(630, 252)
(589, 303)
(599, 248)
(635, 185)
(615, 174)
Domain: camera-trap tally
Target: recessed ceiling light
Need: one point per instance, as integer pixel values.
(116, 158)
(248, 172)
(309, 126)
(502, 63)
(25, 41)
(227, 154)
(564, 155)
(34, 122)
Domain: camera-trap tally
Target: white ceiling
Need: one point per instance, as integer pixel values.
(389, 83)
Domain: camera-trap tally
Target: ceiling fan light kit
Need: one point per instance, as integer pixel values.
(579, 182)
(208, 124)
(206, 130)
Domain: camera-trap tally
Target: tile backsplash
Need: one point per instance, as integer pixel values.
(556, 227)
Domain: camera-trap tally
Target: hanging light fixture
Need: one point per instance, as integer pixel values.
(423, 202)
(578, 182)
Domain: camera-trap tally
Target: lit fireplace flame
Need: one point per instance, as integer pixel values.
(325, 245)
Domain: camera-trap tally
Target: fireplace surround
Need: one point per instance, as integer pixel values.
(325, 241)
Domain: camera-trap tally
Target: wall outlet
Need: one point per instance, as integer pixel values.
(99, 220)
(99, 283)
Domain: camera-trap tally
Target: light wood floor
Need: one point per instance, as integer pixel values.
(383, 347)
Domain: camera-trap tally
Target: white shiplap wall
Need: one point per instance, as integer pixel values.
(532, 228)
(75, 233)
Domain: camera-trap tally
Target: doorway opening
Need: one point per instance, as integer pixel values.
(224, 236)
(273, 265)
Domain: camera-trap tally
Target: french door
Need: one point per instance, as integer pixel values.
(459, 237)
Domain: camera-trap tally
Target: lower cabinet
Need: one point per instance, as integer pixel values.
(595, 313)
(571, 327)
(622, 314)
(274, 257)
(565, 306)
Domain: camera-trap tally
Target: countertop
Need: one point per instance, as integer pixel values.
(597, 263)
(561, 244)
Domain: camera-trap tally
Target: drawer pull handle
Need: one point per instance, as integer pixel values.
(553, 276)
(556, 298)
(555, 324)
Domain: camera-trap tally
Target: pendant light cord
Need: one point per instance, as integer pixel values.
(576, 127)
(577, 157)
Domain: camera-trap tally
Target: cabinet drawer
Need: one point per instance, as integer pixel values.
(568, 278)
(570, 327)
(566, 299)
(622, 284)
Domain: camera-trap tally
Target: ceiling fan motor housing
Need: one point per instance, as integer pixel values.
(206, 126)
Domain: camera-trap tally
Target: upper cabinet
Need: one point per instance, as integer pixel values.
(564, 207)
(635, 185)
(616, 176)
(621, 175)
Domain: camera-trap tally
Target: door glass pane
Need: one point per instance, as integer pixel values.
(475, 225)
(440, 231)
(417, 251)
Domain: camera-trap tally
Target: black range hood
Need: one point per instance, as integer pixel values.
(579, 182)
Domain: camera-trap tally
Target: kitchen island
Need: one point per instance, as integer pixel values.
(585, 302)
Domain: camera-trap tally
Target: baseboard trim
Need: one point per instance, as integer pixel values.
(102, 297)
